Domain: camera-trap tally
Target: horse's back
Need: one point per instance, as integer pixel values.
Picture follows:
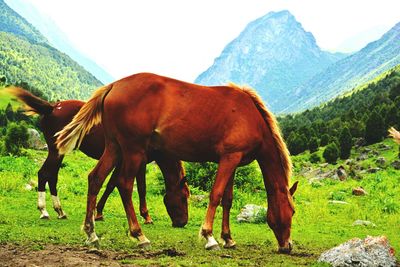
(181, 117)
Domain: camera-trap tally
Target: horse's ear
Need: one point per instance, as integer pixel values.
(293, 188)
(183, 182)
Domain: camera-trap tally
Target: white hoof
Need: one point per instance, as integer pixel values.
(44, 214)
(212, 244)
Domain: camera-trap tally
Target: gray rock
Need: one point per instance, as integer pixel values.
(371, 251)
(252, 214)
(34, 140)
(363, 156)
(363, 223)
(381, 161)
(396, 164)
(373, 170)
(341, 173)
(382, 146)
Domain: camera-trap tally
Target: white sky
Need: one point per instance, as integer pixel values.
(181, 38)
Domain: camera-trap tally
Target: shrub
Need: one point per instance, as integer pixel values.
(313, 144)
(315, 158)
(202, 176)
(331, 153)
(16, 138)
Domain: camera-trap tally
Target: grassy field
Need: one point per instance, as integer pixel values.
(318, 224)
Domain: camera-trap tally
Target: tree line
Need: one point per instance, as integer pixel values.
(361, 118)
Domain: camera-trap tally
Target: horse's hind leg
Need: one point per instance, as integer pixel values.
(112, 183)
(95, 181)
(48, 173)
(226, 169)
(141, 187)
(226, 207)
(131, 164)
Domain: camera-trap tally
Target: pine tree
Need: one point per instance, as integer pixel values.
(313, 144)
(374, 128)
(345, 141)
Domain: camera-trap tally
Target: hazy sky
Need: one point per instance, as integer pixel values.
(181, 38)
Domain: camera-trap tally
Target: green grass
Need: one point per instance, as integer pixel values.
(317, 224)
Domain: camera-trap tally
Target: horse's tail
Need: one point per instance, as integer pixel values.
(395, 134)
(33, 104)
(88, 116)
(271, 122)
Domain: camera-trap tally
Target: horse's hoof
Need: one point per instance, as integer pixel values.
(45, 217)
(99, 217)
(92, 244)
(148, 221)
(284, 250)
(230, 244)
(62, 217)
(144, 244)
(213, 247)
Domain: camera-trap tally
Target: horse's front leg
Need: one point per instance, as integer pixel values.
(141, 187)
(226, 208)
(226, 169)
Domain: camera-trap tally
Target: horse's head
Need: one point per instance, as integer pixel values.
(279, 217)
(176, 202)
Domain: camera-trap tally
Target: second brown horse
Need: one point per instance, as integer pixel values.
(53, 118)
(226, 124)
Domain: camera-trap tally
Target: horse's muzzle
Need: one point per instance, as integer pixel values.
(286, 250)
(179, 224)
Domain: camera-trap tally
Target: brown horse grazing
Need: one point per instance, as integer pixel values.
(225, 124)
(53, 118)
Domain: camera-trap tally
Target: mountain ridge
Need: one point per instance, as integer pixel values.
(347, 73)
(57, 39)
(272, 54)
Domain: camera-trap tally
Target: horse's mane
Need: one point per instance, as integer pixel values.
(271, 122)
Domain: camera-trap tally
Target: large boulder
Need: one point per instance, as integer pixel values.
(371, 251)
(34, 140)
(251, 213)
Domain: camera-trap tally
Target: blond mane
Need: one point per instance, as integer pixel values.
(272, 123)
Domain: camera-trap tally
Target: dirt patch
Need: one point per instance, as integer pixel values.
(61, 255)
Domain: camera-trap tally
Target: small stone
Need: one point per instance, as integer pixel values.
(365, 223)
(338, 202)
(359, 191)
(381, 161)
(373, 170)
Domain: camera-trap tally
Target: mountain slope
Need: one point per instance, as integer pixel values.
(55, 37)
(26, 58)
(12, 22)
(348, 73)
(273, 54)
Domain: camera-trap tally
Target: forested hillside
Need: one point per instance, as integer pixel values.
(366, 115)
(28, 60)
